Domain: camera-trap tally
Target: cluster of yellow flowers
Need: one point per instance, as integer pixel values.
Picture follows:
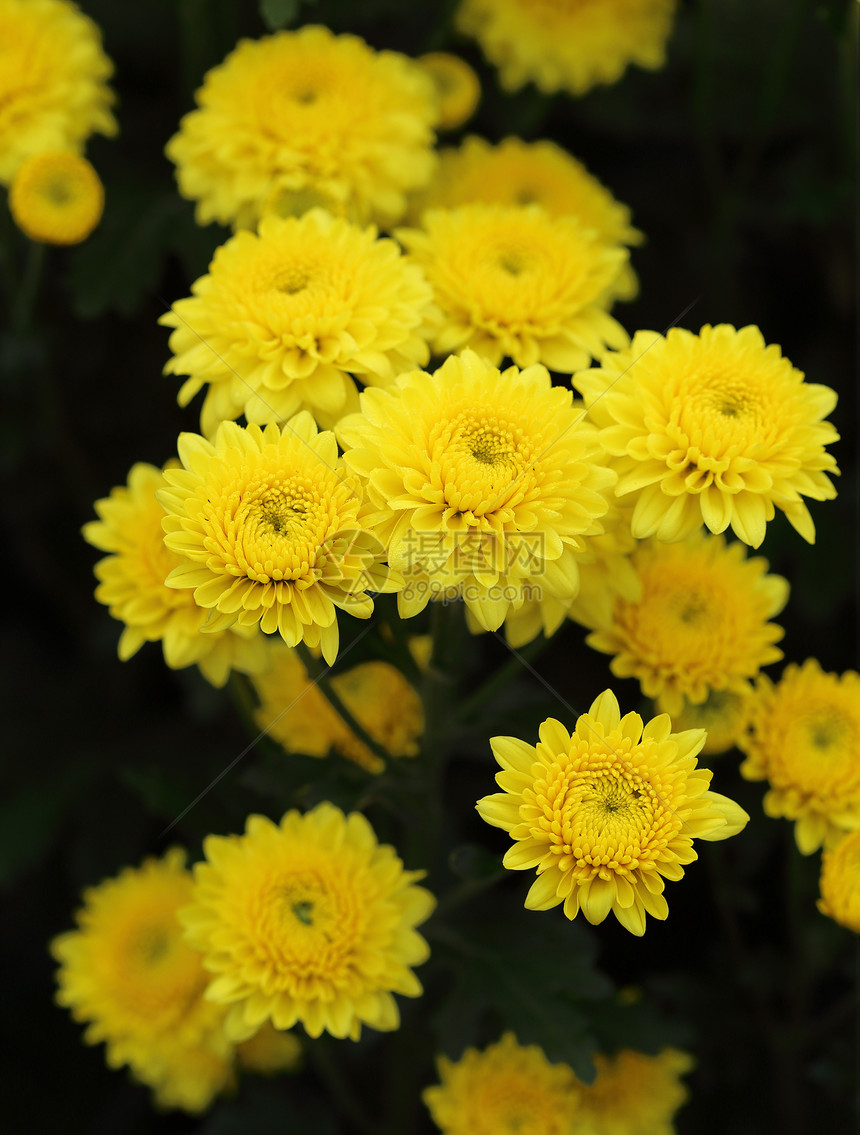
(403, 434)
(53, 96)
(190, 978)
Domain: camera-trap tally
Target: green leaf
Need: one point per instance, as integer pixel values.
(278, 13)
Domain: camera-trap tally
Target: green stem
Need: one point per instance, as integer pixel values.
(22, 309)
(319, 673)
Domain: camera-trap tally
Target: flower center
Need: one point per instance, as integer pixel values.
(480, 458)
(292, 281)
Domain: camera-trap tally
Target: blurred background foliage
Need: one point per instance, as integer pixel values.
(738, 161)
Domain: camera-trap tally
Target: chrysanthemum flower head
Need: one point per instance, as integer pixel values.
(309, 920)
(271, 531)
(284, 318)
(568, 45)
(310, 110)
(607, 813)
(129, 974)
(716, 428)
(458, 88)
(803, 738)
(56, 198)
(485, 484)
(635, 1094)
(516, 173)
(297, 714)
(508, 1089)
(700, 623)
(53, 81)
(132, 587)
(840, 882)
(512, 281)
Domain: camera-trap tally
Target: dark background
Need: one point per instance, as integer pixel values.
(738, 161)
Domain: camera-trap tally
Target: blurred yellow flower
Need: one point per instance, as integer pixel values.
(716, 428)
(269, 1051)
(507, 1089)
(635, 1094)
(458, 88)
(56, 197)
(804, 739)
(53, 81)
(723, 715)
(607, 813)
(128, 973)
(840, 882)
(284, 318)
(132, 587)
(310, 920)
(568, 45)
(512, 281)
(700, 623)
(307, 110)
(296, 713)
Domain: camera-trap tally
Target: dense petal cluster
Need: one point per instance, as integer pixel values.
(635, 1094)
(568, 45)
(716, 428)
(307, 112)
(56, 197)
(271, 532)
(516, 173)
(607, 813)
(53, 81)
(458, 88)
(803, 738)
(132, 587)
(286, 316)
(485, 484)
(311, 920)
(511, 281)
(507, 1089)
(295, 712)
(840, 882)
(129, 974)
(700, 623)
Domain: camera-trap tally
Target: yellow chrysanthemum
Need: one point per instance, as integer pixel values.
(132, 587)
(189, 1076)
(804, 739)
(840, 882)
(271, 532)
(458, 88)
(486, 484)
(129, 974)
(296, 713)
(607, 814)
(723, 715)
(56, 198)
(53, 81)
(269, 1051)
(714, 427)
(311, 920)
(635, 1094)
(568, 45)
(512, 281)
(508, 1089)
(515, 173)
(284, 318)
(307, 110)
(700, 624)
